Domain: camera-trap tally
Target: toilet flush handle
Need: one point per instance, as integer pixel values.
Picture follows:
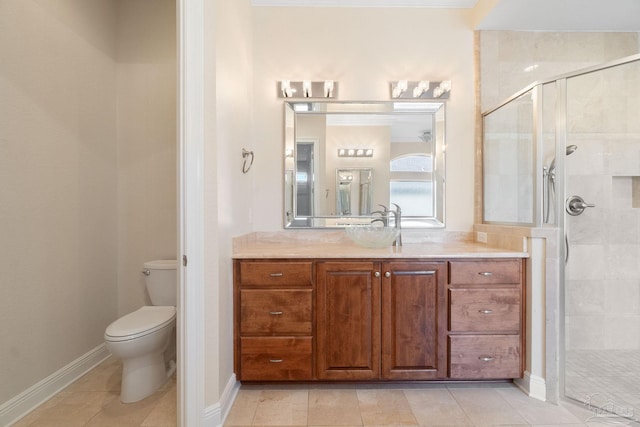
(146, 272)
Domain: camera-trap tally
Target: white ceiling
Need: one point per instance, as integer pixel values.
(563, 15)
(522, 15)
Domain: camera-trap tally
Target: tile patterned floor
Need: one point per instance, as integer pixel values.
(93, 400)
(402, 405)
(605, 378)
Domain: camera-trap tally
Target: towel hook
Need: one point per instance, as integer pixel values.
(245, 155)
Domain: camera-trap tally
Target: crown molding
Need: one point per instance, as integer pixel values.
(442, 4)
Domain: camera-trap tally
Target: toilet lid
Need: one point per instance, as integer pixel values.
(141, 322)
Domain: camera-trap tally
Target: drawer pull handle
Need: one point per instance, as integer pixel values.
(485, 358)
(276, 313)
(485, 273)
(276, 274)
(275, 360)
(485, 311)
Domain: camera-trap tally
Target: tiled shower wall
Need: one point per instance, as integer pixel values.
(603, 272)
(508, 62)
(603, 301)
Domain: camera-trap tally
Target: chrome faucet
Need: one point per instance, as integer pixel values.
(384, 216)
(384, 219)
(397, 216)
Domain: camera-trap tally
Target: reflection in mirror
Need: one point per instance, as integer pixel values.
(343, 159)
(353, 191)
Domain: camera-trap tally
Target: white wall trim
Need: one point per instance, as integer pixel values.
(533, 386)
(37, 394)
(215, 415)
(191, 124)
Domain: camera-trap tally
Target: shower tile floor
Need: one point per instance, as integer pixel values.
(608, 379)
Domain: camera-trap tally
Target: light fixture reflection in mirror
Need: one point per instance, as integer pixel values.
(399, 144)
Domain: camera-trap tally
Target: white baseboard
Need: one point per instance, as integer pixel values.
(19, 406)
(533, 385)
(214, 415)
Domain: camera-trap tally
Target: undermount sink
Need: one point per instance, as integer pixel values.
(371, 236)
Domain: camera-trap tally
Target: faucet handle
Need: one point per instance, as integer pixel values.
(386, 209)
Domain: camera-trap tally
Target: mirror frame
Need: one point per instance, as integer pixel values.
(437, 108)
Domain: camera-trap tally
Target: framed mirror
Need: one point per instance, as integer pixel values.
(345, 159)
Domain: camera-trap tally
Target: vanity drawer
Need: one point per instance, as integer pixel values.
(485, 272)
(484, 356)
(484, 310)
(281, 312)
(267, 273)
(276, 359)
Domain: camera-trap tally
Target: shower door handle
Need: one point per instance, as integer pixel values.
(576, 205)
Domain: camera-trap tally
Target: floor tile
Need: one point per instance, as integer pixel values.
(436, 408)
(244, 408)
(486, 407)
(385, 408)
(116, 413)
(164, 414)
(282, 408)
(535, 411)
(334, 408)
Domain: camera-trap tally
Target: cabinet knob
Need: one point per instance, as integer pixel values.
(276, 274)
(276, 313)
(485, 311)
(376, 274)
(275, 360)
(485, 273)
(485, 358)
(387, 274)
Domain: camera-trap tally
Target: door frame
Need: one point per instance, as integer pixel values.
(191, 135)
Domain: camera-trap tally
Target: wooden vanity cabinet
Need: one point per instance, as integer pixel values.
(414, 320)
(486, 319)
(371, 319)
(381, 320)
(273, 302)
(348, 320)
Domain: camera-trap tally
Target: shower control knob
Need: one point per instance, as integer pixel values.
(576, 205)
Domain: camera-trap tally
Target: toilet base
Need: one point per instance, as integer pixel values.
(142, 376)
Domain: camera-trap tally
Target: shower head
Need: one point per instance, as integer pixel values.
(570, 149)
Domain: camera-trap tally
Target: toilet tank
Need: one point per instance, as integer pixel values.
(162, 281)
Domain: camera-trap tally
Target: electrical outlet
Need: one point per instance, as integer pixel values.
(481, 237)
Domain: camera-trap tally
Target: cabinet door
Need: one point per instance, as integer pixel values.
(414, 320)
(348, 321)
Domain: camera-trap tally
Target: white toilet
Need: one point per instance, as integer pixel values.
(141, 338)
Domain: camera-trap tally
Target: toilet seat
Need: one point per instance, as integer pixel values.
(139, 323)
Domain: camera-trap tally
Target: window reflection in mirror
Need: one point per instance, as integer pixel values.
(344, 159)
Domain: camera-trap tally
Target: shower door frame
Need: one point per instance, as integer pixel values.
(554, 368)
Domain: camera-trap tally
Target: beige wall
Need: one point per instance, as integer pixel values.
(57, 185)
(87, 173)
(362, 49)
(228, 213)
(146, 126)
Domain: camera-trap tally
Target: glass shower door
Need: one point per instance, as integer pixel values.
(602, 225)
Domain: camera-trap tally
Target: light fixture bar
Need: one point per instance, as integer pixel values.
(307, 89)
(355, 152)
(423, 89)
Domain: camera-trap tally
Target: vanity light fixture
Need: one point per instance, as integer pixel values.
(423, 89)
(286, 89)
(308, 89)
(399, 89)
(355, 152)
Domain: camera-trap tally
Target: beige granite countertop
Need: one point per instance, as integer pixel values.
(335, 244)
